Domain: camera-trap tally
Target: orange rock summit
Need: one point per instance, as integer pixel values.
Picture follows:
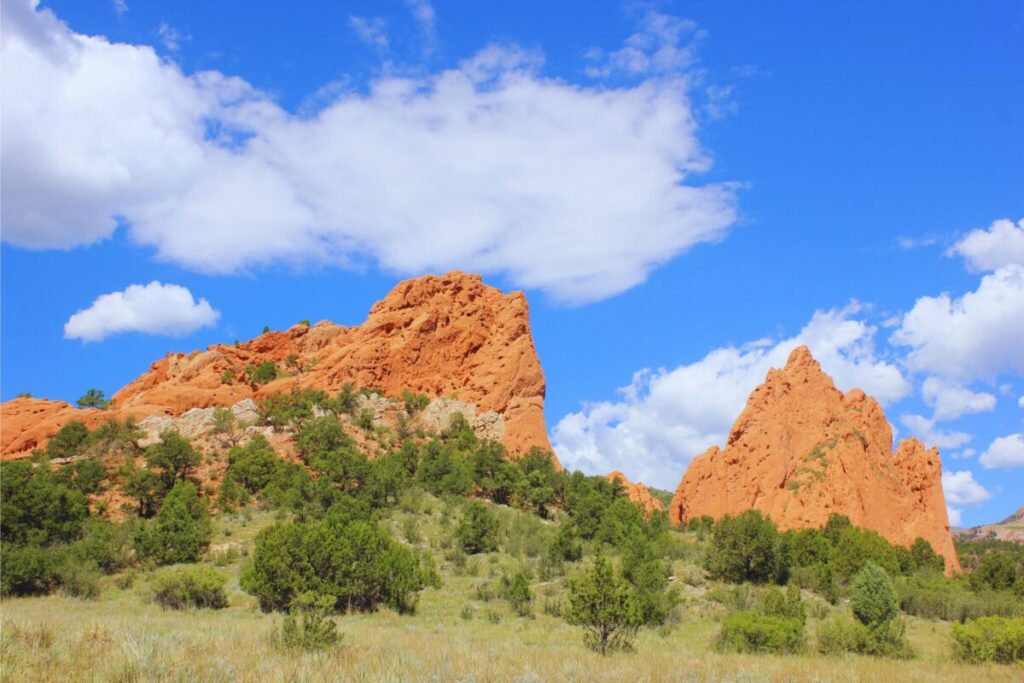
(637, 493)
(443, 336)
(802, 450)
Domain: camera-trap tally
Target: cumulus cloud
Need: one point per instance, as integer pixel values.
(962, 489)
(1004, 452)
(155, 308)
(925, 429)
(490, 166)
(1002, 244)
(664, 418)
(663, 44)
(975, 336)
(951, 400)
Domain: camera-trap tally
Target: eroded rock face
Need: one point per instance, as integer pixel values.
(802, 450)
(443, 336)
(637, 493)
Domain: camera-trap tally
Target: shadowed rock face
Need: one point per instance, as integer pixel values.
(802, 450)
(637, 493)
(443, 336)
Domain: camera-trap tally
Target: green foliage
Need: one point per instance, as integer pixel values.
(789, 605)
(93, 398)
(117, 437)
(225, 425)
(85, 475)
(308, 625)
(365, 419)
(934, 596)
(28, 570)
(303, 322)
(36, 508)
(78, 579)
(841, 635)
(146, 487)
(227, 376)
(69, 441)
(181, 530)
(414, 402)
(834, 527)
(478, 530)
(517, 592)
(744, 548)
(107, 545)
(857, 547)
(355, 564)
(293, 409)
(753, 632)
(322, 435)
(346, 401)
(565, 547)
(443, 469)
(263, 373)
(995, 571)
(924, 557)
(253, 465)
(174, 457)
(602, 602)
(873, 597)
(190, 586)
(989, 639)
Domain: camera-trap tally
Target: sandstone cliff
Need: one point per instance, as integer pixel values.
(637, 493)
(444, 336)
(802, 450)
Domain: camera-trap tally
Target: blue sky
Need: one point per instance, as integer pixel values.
(684, 190)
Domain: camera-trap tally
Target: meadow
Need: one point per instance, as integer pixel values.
(461, 631)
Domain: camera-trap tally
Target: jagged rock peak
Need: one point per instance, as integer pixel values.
(802, 450)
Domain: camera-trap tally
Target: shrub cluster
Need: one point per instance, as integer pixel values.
(989, 639)
(190, 586)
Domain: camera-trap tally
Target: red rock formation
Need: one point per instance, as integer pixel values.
(637, 493)
(447, 335)
(802, 450)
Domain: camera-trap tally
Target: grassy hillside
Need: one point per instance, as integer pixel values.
(461, 631)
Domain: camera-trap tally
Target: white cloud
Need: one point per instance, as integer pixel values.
(664, 44)
(924, 429)
(1020, 401)
(954, 515)
(978, 335)
(426, 17)
(1005, 451)
(120, 6)
(951, 400)
(371, 30)
(151, 309)
(664, 418)
(961, 489)
(170, 36)
(1002, 244)
(576, 191)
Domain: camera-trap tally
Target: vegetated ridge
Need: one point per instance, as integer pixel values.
(802, 450)
(441, 336)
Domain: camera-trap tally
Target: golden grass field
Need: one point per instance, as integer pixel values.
(123, 636)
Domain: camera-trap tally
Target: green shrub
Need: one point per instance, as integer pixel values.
(744, 548)
(79, 579)
(478, 529)
(414, 402)
(253, 465)
(36, 508)
(517, 592)
(190, 586)
(69, 441)
(844, 634)
(85, 475)
(733, 598)
(873, 597)
(789, 605)
(356, 564)
(753, 632)
(263, 373)
(27, 570)
(322, 435)
(181, 529)
(308, 625)
(565, 547)
(110, 546)
(989, 639)
(857, 547)
(996, 571)
(174, 456)
(602, 602)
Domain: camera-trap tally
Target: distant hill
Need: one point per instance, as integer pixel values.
(1010, 529)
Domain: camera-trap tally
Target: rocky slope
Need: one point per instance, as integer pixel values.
(637, 493)
(1010, 529)
(802, 450)
(444, 336)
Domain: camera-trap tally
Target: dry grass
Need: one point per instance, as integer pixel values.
(122, 636)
